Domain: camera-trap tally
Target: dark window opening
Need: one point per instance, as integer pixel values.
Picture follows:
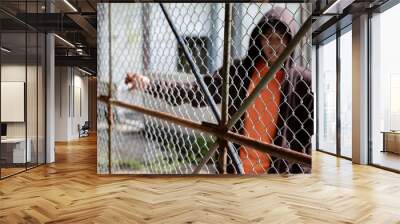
(198, 48)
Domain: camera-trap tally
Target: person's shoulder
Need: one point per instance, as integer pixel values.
(300, 73)
(238, 66)
(238, 62)
(300, 77)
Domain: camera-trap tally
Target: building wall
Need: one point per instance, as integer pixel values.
(71, 102)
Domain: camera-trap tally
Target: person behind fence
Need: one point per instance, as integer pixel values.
(283, 112)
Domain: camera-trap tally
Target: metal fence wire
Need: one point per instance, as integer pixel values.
(208, 88)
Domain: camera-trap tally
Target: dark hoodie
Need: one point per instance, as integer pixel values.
(295, 124)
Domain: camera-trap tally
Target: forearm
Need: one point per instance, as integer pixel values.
(172, 92)
(177, 92)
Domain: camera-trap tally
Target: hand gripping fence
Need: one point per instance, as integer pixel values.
(167, 129)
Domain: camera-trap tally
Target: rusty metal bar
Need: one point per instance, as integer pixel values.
(226, 64)
(146, 35)
(207, 157)
(214, 129)
(225, 84)
(109, 107)
(223, 155)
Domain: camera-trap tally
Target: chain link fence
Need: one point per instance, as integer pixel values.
(161, 88)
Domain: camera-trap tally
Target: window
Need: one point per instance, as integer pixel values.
(394, 101)
(346, 94)
(22, 65)
(327, 97)
(334, 106)
(198, 50)
(385, 89)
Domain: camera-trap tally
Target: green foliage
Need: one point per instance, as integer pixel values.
(130, 164)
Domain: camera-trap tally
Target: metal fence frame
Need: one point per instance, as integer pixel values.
(222, 128)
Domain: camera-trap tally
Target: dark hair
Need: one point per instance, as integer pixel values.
(275, 26)
(264, 26)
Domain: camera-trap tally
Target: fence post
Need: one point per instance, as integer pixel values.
(109, 106)
(225, 84)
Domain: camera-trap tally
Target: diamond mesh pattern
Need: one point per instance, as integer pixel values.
(138, 41)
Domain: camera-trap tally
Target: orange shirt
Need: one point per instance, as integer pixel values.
(261, 120)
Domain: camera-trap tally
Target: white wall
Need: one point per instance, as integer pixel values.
(70, 84)
(61, 103)
(79, 117)
(12, 73)
(33, 127)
